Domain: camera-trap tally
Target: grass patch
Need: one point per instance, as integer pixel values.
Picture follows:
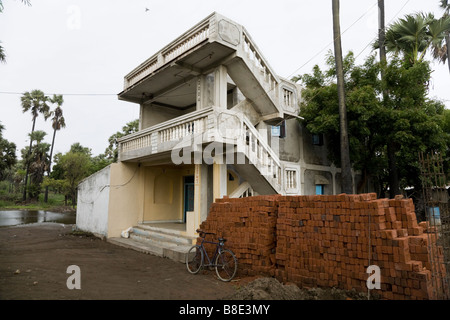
(55, 203)
(80, 233)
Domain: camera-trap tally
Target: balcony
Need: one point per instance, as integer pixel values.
(214, 41)
(195, 132)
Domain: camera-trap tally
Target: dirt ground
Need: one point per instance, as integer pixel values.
(34, 259)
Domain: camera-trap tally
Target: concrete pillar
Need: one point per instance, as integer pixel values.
(200, 103)
(220, 87)
(219, 179)
(333, 174)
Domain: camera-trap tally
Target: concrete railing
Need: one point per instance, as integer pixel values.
(172, 130)
(242, 191)
(283, 95)
(182, 44)
(214, 126)
(260, 68)
(261, 155)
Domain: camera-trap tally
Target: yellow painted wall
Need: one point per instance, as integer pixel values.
(163, 192)
(232, 185)
(125, 200)
(140, 193)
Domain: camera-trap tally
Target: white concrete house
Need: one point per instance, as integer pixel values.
(215, 120)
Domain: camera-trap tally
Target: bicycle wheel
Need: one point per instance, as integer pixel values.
(226, 265)
(194, 259)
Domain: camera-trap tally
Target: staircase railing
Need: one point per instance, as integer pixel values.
(244, 190)
(261, 69)
(261, 155)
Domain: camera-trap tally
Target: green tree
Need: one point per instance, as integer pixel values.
(407, 118)
(75, 166)
(2, 51)
(446, 128)
(2, 54)
(111, 151)
(7, 154)
(78, 148)
(38, 163)
(58, 122)
(417, 34)
(98, 163)
(35, 102)
(445, 52)
(69, 169)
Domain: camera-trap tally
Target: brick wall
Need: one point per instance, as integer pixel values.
(249, 225)
(325, 241)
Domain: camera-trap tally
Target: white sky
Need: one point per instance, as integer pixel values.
(86, 48)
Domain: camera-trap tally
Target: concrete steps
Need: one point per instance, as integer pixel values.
(158, 241)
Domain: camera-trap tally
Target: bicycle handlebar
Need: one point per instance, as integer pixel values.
(204, 232)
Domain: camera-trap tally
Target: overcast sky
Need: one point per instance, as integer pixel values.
(83, 49)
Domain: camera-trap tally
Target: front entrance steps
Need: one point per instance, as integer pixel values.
(158, 239)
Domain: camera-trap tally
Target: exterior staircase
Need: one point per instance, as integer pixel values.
(272, 97)
(156, 240)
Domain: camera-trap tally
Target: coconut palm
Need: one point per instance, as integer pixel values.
(415, 35)
(445, 52)
(2, 54)
(58, 122)
(2, 51)
(38, 163)
(35, 102)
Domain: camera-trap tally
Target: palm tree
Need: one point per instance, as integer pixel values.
(35, 102)
(346, 176)
(2, 54)
(38, 163)
(445, 4)
(2, 51)
(58, 122)
(415, 35)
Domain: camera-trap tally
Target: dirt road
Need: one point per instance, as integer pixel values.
(34, 261)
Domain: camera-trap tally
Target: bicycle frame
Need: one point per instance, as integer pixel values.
(219, 248)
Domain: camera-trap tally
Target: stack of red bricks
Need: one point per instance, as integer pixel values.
(249, 225)
(328, 241)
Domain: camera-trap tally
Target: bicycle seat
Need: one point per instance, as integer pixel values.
(222, 239)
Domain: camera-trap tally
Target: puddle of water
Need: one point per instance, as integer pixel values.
(17, 217)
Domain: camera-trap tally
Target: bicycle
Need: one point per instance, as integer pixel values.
(224, 260)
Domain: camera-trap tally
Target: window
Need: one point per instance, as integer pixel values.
(317, 139)
(279, 131)
(319, 189)
(291, 179)
(288, 97)
(283, 129)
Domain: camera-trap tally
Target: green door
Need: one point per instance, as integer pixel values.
(188, 195)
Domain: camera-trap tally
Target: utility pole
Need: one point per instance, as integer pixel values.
(346, 175)
(381, 33)
(394, 187)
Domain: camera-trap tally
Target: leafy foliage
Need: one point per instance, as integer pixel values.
(111, 151)
(406, 117)
(7, 154)
(416, 34)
